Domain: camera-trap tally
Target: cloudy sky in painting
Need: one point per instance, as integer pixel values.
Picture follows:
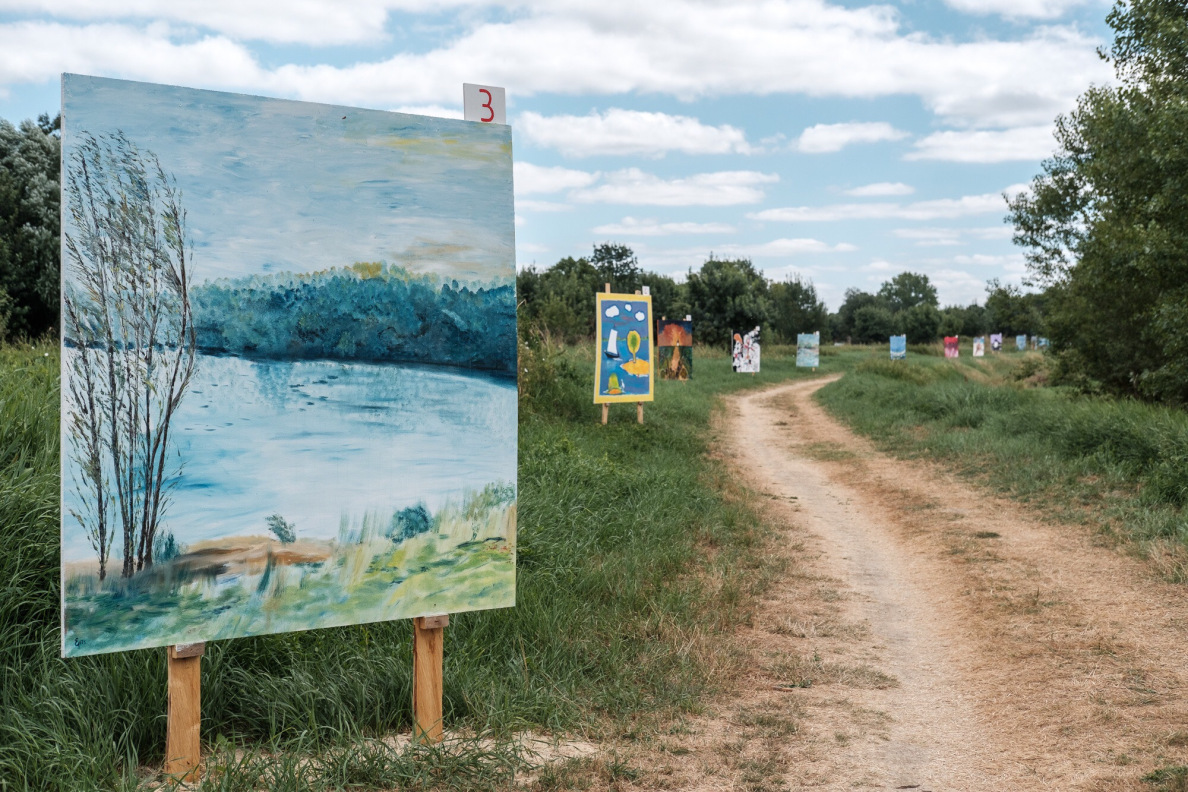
(843, 140)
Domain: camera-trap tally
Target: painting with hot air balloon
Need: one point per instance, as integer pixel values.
(626, 349)
(674, 349)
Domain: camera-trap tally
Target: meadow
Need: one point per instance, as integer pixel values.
(636, 553)
(1116, 464)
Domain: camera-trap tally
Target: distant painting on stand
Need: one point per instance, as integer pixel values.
(996, 342)
(898, 347)
(1021, 342)
(623, 365)
(951, 350)
(745, 353)
(808, 350)
(289, 390)
(674, 349)
(979, 346)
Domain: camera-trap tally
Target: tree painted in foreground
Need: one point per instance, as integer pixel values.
(128, 319)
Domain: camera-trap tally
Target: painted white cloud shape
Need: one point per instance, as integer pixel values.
(639, 316)
(629, 132)
(613, 311)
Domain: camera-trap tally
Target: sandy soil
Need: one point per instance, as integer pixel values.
(929, 635)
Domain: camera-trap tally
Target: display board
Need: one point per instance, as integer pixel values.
(745, 352)
(288, 366)
(898, 347)
(979, 346)
(996, 342)
(623, 369)
(951, 350)
(674, 345)
(808, 350)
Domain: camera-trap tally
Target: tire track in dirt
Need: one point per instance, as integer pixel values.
(1027, 655)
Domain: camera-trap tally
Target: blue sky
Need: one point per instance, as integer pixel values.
(841, 140)
(280, 186)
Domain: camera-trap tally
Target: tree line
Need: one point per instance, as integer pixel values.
(727, 294)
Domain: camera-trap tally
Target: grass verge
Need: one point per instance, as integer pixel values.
(1119, 465)
(633, 556)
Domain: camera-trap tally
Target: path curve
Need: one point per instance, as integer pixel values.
(1027, 654)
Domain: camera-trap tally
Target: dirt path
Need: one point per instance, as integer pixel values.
(928, 635)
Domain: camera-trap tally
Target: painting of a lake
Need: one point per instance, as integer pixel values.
(288, 366)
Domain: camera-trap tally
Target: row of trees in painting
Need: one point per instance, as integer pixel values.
(368, 311)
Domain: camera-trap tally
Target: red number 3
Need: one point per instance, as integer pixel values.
(487, 105)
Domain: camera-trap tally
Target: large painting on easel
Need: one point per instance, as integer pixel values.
(674, 349)
(626, 349)
(288, 366)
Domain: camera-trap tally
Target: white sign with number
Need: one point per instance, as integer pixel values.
(485, 103)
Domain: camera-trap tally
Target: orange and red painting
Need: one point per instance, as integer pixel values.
(674, 341)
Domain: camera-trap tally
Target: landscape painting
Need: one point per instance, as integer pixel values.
(674, 349)
(626, 349)
(288, 366)
(808, 350)
(898, 347)
(979, 346)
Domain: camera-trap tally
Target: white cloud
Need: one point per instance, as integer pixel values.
(629, 132)
(881, 189)
(530, 179)
(613, 311)
(827, 138)
(529, 205)
(1036, 9)
(1022, 144)
(576, 47)
(920, 210)
(940, 237)
(635, 187)
(629, 226)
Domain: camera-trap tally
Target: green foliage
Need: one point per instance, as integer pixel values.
(1013, 312)
(907, 290)
(921, 324)
(284, 530)
(1106, 223)
(560, 300)
(964, 321)
(409, 522)
(727, 295)
(797, 309)
(617, 265)
(874, 323)
(29, 226)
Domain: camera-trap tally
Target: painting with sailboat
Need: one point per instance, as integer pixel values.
(674, 349)
(626, 349)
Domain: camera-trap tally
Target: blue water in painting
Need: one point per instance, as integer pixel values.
(317, 440)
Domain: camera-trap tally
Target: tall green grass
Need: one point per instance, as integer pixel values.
(616, 596)
(1118, 464)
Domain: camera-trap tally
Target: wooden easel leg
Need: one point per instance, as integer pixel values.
(428, 638)
(639, 412)
(183, 746)
(605, 412)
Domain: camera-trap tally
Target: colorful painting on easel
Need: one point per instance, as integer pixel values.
(288, 394)
(808, 350)
(951, 348)
(899, 347)
(674, 349)
(623, 365)
(745, 351)
(996, 342)
(1021, 342)
(979, 346)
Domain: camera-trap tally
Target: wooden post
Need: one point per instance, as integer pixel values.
(428, 635)
(183, 747)
(639, 412)
(605, 412)
(598, 351)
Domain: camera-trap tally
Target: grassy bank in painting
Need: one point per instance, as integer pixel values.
(1119, 465)
(377, 569)
(635, 557)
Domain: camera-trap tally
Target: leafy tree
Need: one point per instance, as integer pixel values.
(874, 324)
(907, 290)
(669, 298)
(854, 300)
(921, 324)
(284, 530)
(727, 295)
(616, 264)
(797, 308)
(1106, 223)
(1011, 311)
(969, 320)
(29, 226)
(560, 298)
